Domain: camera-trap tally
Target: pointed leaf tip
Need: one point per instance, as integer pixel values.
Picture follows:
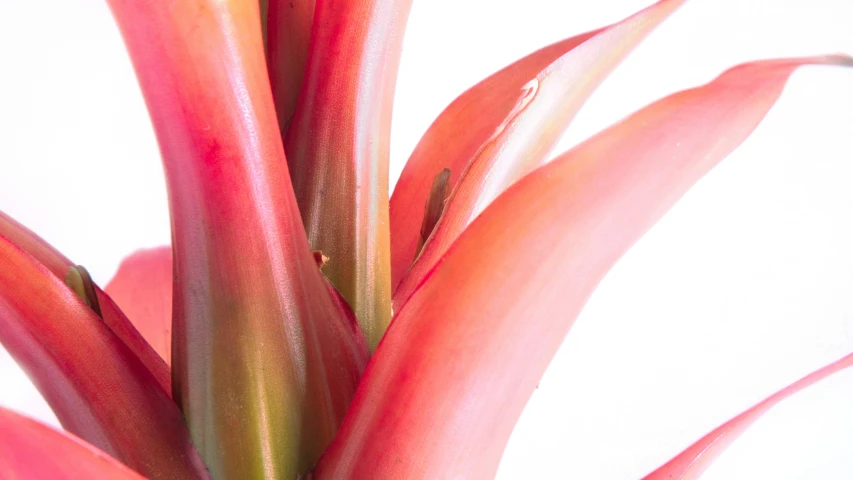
(96, 386)
(534, 115)
(537, 253)
(692, 462)
(840, 59)
(255, 330)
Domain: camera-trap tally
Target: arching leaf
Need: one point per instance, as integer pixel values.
(449, 380)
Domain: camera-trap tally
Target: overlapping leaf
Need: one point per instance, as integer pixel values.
(264, 366)
(446, 386)
(142, 288)
(337, 148)
(113, 317)
(690, 463)
(500, 130)
(98, 389)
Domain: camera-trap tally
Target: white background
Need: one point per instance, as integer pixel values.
(745, 286)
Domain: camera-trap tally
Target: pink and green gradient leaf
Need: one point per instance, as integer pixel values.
(142, 288)
(690, 463)
(31, 450)
(113, 317)
(463, 355)
(511, 122)
(98, 389)
(338, 146)
(261, 367)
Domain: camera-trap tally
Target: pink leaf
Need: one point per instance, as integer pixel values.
(502, 128)
(446, 385)
(98, 389)
(30, 450)
(690, 463)
(338, 146)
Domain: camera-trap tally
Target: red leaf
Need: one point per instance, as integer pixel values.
(449, 380)
(142, 288)
(30, 450)
(288, 36)
(690, 463)
(337, 148)
(500, 130)
(255, 332)
(58, 265)
(97, 387)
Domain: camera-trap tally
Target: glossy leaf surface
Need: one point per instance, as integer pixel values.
(338, 146)
(114, 318)
(262, 368)
(446, 386)
(98, 389)
(142, 288)
(30, 450)
(690, 463)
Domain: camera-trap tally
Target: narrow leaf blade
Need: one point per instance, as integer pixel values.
(446, 386)
(690, 463)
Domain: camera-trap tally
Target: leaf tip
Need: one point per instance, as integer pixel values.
(840, 59)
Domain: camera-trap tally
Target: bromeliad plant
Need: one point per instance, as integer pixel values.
(302, 323)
